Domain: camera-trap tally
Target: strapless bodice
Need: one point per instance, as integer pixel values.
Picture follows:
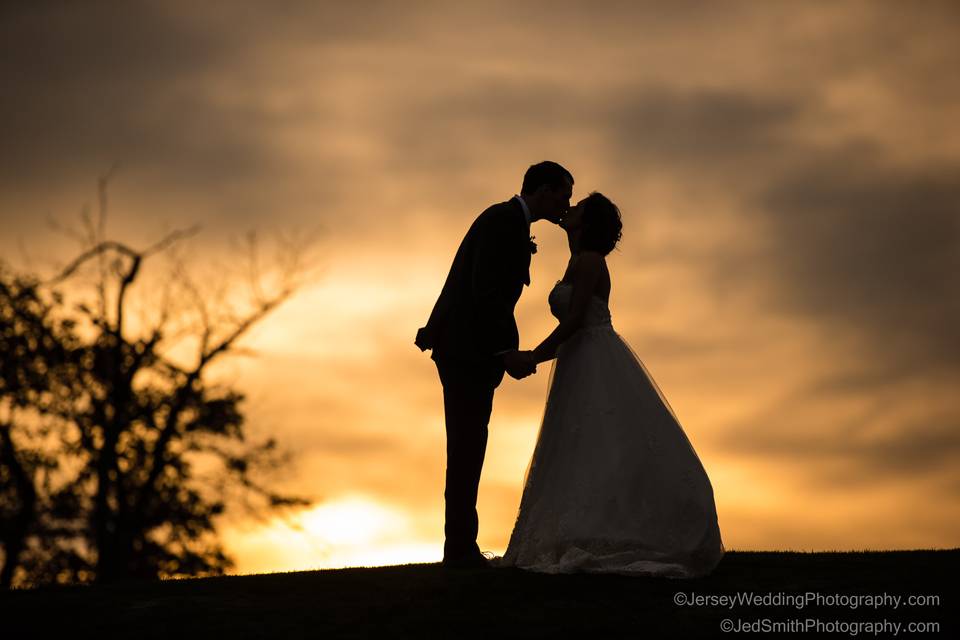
(598, 315)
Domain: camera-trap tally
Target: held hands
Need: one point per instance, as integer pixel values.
(519, 364)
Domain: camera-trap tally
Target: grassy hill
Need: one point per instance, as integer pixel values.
(421, 601)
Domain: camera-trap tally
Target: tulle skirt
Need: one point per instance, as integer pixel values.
(614, 485)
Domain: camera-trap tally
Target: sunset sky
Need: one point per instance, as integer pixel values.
(788, 174)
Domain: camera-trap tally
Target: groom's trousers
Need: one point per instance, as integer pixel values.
(468, 389)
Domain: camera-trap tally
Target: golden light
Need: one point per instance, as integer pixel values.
(353, 530)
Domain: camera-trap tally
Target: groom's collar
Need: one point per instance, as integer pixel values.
(526, 209)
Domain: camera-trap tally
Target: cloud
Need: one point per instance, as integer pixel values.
(706, 132)
(876, 248)
(198, 115)
(829, 435)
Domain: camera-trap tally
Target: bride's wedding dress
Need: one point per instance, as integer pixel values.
(614, 485)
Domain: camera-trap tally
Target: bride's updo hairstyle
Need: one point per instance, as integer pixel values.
(601, 225)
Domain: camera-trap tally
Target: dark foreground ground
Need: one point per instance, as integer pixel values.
(424, 601)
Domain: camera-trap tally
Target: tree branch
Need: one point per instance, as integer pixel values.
(107, 245)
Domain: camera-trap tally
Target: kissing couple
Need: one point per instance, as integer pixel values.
(613, 485)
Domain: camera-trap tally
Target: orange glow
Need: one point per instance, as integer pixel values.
(787, 269)
(350, 531)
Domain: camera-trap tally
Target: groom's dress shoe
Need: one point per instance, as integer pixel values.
(471, 561)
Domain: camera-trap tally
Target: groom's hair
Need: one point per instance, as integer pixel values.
(545, 173)
(602, 225)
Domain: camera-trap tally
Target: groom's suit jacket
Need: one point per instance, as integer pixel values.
(473, 317)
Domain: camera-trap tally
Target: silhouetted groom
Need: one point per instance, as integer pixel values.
(474, 339)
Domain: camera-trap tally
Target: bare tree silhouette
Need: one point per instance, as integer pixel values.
(102, 426)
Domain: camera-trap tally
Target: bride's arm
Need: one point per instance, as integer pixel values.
(585, 277)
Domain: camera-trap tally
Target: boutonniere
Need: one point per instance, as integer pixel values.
(533, 245)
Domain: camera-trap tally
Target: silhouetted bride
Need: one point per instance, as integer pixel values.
(614, 484)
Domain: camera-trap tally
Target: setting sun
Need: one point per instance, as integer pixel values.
(350, 531)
